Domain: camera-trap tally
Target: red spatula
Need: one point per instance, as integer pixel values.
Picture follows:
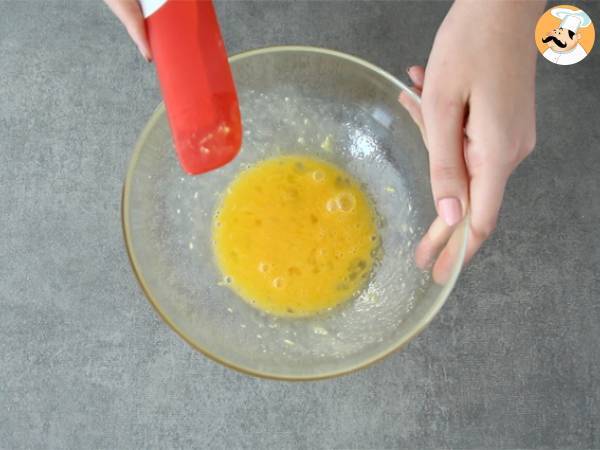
(196, 82)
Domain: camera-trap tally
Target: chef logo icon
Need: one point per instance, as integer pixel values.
(564, 35)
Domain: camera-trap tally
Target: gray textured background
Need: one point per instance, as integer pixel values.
(513, 359)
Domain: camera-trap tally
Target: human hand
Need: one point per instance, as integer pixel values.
(477, 117)
(130, 15)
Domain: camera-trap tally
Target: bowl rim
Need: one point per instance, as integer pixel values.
(417, 329)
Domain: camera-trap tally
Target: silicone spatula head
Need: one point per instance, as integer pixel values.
(195, 81)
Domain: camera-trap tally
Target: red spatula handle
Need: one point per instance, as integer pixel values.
(195, 81)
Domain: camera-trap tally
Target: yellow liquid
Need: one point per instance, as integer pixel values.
(295, 235)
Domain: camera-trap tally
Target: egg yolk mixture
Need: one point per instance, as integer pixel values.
(295, 235)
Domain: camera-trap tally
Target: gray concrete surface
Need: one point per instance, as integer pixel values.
(512, 360)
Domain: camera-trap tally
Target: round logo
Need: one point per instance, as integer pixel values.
(565, 35)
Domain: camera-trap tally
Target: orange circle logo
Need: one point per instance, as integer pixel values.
(564, 35)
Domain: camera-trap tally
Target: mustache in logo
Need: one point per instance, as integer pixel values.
(556, 41)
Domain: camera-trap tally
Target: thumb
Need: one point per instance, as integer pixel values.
(443, 117)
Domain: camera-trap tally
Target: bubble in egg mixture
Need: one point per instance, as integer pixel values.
(318, 176)
(263, 267)
(278, 282)
(345, 202)
(331, 205)
(301, 230)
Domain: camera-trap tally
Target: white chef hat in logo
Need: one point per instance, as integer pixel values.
(571, 19)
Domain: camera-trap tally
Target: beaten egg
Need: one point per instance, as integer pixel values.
(295, 235)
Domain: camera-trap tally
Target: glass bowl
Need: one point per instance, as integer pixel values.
(293, 100)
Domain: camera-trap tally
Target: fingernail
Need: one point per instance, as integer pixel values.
(144, 55)
(450, 210)
(144, 49)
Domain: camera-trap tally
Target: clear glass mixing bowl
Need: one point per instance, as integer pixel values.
(294, 100)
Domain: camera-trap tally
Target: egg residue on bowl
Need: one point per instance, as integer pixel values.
(295, 235)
